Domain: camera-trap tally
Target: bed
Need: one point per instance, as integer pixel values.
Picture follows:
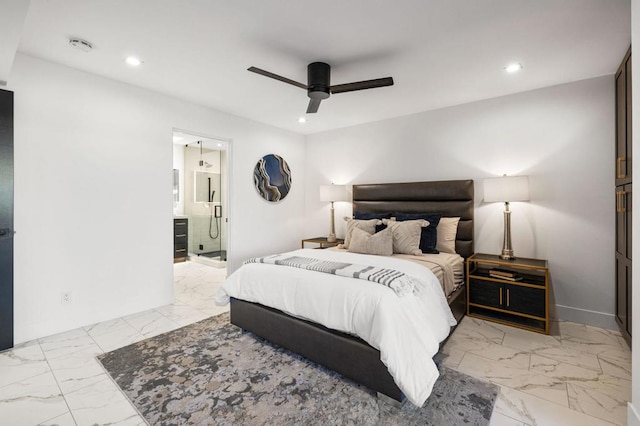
(344, 353)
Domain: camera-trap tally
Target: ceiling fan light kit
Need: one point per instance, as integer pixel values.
(319, 86)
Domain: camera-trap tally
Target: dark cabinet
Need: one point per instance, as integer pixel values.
(521, 301)
(623, 197)
(180, 240)
(6, 219)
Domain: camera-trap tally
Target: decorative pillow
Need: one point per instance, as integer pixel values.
(447, 230)
(429, 236)
(368, 226)
(380, 243)
(406, 235)
(366, 216)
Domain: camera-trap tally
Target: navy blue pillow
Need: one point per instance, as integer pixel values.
(429, 235)
(368, 216)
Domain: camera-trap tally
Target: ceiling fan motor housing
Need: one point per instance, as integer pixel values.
(319, 80)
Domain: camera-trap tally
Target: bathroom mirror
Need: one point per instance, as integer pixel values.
(206, 187)
(176, 185)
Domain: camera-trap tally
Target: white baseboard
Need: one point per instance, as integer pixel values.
(633, 419)
(584, 316)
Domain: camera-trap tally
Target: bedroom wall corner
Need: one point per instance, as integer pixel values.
(562, 137)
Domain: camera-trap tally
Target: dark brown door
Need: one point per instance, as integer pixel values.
(623, 122)
(6, 219)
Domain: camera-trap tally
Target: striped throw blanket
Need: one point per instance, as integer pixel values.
(399, 282)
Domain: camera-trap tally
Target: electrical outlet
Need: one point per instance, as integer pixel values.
(65, 297)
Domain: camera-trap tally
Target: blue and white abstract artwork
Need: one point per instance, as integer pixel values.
(272, 178)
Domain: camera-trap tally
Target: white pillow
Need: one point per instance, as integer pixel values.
(447, 230)
(406, 235)
(380, 243)
(368, 226)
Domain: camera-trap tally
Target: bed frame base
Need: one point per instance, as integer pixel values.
(345, 354)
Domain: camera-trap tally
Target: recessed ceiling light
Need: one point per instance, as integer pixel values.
(133, 61)
(219, 145)
(177, 138)
(514, 67)
(302, 120)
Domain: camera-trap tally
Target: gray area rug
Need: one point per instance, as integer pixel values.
(213, 373)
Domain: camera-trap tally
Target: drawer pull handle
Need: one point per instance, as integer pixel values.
(508, 297)
(181, 235)
(180, 223)
(620, 202)
(619, 162)
(501, 296)
(177, 251)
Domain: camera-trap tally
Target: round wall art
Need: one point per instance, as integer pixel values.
(272, 177)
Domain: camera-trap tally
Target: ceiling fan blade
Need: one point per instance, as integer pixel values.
(361, 85)
(277, 77)
(314, 104)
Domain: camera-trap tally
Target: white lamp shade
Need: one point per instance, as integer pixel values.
(334, 193)
(506, 189)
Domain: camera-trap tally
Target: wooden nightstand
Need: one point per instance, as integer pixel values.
(322, 241)
(520, 302)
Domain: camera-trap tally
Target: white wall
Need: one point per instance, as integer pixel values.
(93, 194)
(562, 137)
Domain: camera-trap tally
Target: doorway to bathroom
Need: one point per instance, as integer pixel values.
(200, 195)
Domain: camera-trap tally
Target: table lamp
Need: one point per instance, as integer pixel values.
(333, 193)
(506, 189)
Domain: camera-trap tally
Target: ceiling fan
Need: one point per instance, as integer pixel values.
(319, 86)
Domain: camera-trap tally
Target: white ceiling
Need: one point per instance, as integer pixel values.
(439, 52)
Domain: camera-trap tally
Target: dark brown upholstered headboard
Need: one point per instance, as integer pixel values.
(452, 198)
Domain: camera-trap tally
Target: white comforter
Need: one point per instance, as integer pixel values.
(406, 330)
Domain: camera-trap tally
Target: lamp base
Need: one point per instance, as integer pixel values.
(507, 255)
(332, 238)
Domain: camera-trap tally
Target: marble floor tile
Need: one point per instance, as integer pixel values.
(522, 379)
(31, 401)
(560, 370)
(63, 420)
(530, 341)
(480, 330)
(452, 357)
(182, 313)
(532, 410)
(151, 323)
(102, 403)
(498, 419)
(573, 357)
(504, 355)
(105, 327)
(63, 344)
(22, 362)
(605, 397)
(77, 370)
(117, 338)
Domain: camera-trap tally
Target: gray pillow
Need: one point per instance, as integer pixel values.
(406, 235)
(447, 231)
(368, 226)
(380, 243)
